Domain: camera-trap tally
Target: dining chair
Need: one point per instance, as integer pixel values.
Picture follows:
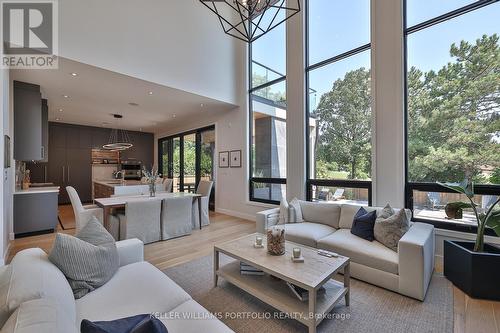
(168, 184)
(83, 214)
(176, 217)
(141, 220)
(204, 189)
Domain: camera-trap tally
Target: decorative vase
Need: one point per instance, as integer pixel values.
(152, 189)
(453, 212)
(276, 241)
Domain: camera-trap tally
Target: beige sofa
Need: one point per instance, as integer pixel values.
(327, 226)
(38, 299)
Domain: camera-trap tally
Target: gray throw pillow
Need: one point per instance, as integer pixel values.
(295, 212)
(389, 231)
(88, 260)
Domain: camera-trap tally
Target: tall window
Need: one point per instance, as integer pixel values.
(268, 114)
(453, 105)
(339, 101)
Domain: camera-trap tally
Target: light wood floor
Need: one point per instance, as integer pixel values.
(470, 315)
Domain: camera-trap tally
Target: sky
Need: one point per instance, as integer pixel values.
(337, 26)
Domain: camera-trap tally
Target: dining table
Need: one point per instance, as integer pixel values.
(110, 203)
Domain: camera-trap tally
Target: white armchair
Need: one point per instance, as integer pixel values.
(83, 213)
(176, 217)
(205, 189)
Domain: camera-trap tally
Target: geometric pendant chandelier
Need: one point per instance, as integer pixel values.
(118, 138)
(249, 20)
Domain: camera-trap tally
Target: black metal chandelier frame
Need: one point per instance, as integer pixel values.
(247, 13)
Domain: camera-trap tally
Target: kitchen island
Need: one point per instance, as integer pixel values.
(35, 210)
(107, 188)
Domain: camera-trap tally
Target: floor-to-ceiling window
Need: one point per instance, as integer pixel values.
(267, 65)
(453, 105)
(188, 158)
(339, 101)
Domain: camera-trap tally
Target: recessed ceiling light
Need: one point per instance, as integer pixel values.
(74, 74)
(150, 93)
(173, 116)
(57, 119)
(133, 104)
(60, 110)
(66, 96)
(202, 105)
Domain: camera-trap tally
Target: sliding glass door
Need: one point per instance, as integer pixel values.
(188, 158)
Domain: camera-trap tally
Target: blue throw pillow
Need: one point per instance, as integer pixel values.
(137, 324)
(363, 224)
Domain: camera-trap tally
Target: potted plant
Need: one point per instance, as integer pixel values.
(474, 267)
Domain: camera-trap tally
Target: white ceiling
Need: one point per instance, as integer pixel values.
(95, 94)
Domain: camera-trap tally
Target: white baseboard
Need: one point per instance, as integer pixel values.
(240, 215)
(12, 236)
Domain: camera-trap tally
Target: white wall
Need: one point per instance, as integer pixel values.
(177, 43)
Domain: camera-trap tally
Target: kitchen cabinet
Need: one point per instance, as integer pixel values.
(38, 172)
(70, 151)
(28, 145)
(35, 211)
(143, 149)
(45, 131)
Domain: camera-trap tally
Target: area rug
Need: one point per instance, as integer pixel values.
(372, 309)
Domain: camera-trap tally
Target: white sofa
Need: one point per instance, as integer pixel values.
(327, 226)
(137, 288)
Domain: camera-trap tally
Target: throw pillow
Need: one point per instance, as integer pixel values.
(284, 212)
(88, 260)
(363, 223)
(389, 231)
(137, 324)
(295, 212)
(385, 212)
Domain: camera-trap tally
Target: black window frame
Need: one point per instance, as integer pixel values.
(251, 97)
(311, 182)
(197, 132)
(433, 187)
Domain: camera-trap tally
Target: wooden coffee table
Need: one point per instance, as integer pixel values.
(314, 272)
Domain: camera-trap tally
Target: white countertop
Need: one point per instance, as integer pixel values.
(38, 190)
(118, 182)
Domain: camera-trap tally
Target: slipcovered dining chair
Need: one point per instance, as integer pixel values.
(82, 213)
(176, 217)
(141, 220)
(204, 188)
(167, 184)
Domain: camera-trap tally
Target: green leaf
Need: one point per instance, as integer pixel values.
(494, 222)
(464, 187)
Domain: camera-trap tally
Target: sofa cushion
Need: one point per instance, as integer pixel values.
(295, 211)
(389, 231)
(362, 225)
(134, 289)
(348, 211)
(33, 276)
(306, 233)
(40, 316)
(186, 319)
(371, 254)
(88, 260)
(321, 212)
(143, 323)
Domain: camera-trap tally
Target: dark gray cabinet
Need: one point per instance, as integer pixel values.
(143, 149)
(45, 131)
(70, 151)
(28, 144)
(35, 212)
